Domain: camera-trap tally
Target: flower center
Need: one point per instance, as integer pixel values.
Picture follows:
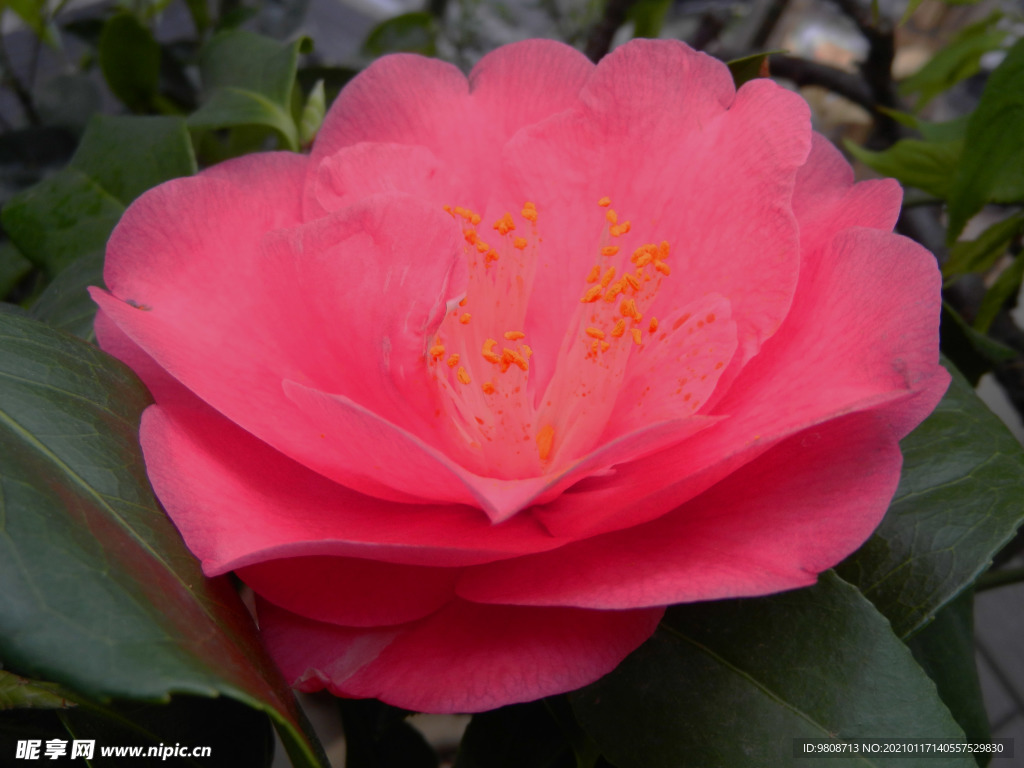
(502, 423)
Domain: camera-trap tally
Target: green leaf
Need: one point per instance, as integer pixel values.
(21, 693)
(71, 214)
(927, 165)
(750, 67)
(66, 304)
(957, 61)
(130, 60)
(981, 254)
(495, 739)
(648, 16)
(313, 114)
(34, 14)
(974, 353)
(248, 80)
(992, 166)
(13, 267)
(945, 651)
(734, 682)
(414, 32)
(957, 504)
(1006, 286)
(100, 594)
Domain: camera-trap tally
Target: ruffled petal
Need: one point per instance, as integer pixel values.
(464, 658)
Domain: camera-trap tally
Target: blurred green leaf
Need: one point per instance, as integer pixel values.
(945, 651)
(248, 80)
(130, 60)
(913, 4)
(957, 504)
(71, 214)
(13, 267)
(66, 304)
(496, 739)
(992, 166)
(927, 165)
(100, 594)
(1006, 286)
(414, 32)
(750, 67)
(956, 61)
(34, 14)
(734, 682)
(312, 114)
(981, 254)
(21, 693)
(973, 353)
(648, 16)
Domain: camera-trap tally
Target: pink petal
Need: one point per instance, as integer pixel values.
(770, 526)
(464, 658)
(351, 591)
(237, 502)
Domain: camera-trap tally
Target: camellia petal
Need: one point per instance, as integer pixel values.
(510, 362)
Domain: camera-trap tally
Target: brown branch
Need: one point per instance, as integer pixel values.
(599, 42)
(807, 72)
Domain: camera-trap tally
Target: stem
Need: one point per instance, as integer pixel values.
(1002, 578)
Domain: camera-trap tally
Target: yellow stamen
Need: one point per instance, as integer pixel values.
(465, 318)
(604, 202)
(529, 211)
(592, 295)
(654, 325)
(488, 388)
(612, 216)
(545, 441)
(514, 335)
(488, 352)
(594, 275)
(619, 329)
(619, 229)
(463, 375)
(453, 360)
(609, 250)
(519, 243)
(437, 351)
(636, 335)
(595, 333)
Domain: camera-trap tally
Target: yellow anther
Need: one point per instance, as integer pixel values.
(663, 249)
(488, 388)
(653, 325)
(463, 375)
(628, 309)
(612, 216)
(511, 357)
(514, 335)
(453, 360)
(519, 243)
(604, 346)
(592, 295)
(437, 351)
(636, 336)
(609, 250)
(491, 255)
(633, 280)
(642, 256)
(526, 351)
(662, 267)
(604, 202)
(608, 277)
(464, 319)
(619, 329)
(545, 441)
(481, 246)
(504, 225)
(449, 211)
(595, 333)
(529, 211)
(475, 219)
(488, 352)
(594, 275)
(614, 290)
(619, 229)
(470, 235)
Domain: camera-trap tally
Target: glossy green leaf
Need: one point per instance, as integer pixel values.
(945, 650)
(648, 16)
(956, 61)
(992, 166)
(750, 67)
(129, 57)
(958, 503)
(973, 353)
(1006, 286)
(927, 165)
(18, 692)
(734, 682)
(71, 214)
(248, 80)
(414, 32)
(100, 594)
(66, 304)
(313, 112)
(981, 254)
(496, 739)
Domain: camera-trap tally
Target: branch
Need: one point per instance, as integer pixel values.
(807, 72)
(599, 41)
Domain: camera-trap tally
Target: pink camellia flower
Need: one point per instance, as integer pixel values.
(504, 367)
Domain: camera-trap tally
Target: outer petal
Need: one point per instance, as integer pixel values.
(772, 525)
(464, 658)
(237, 502)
